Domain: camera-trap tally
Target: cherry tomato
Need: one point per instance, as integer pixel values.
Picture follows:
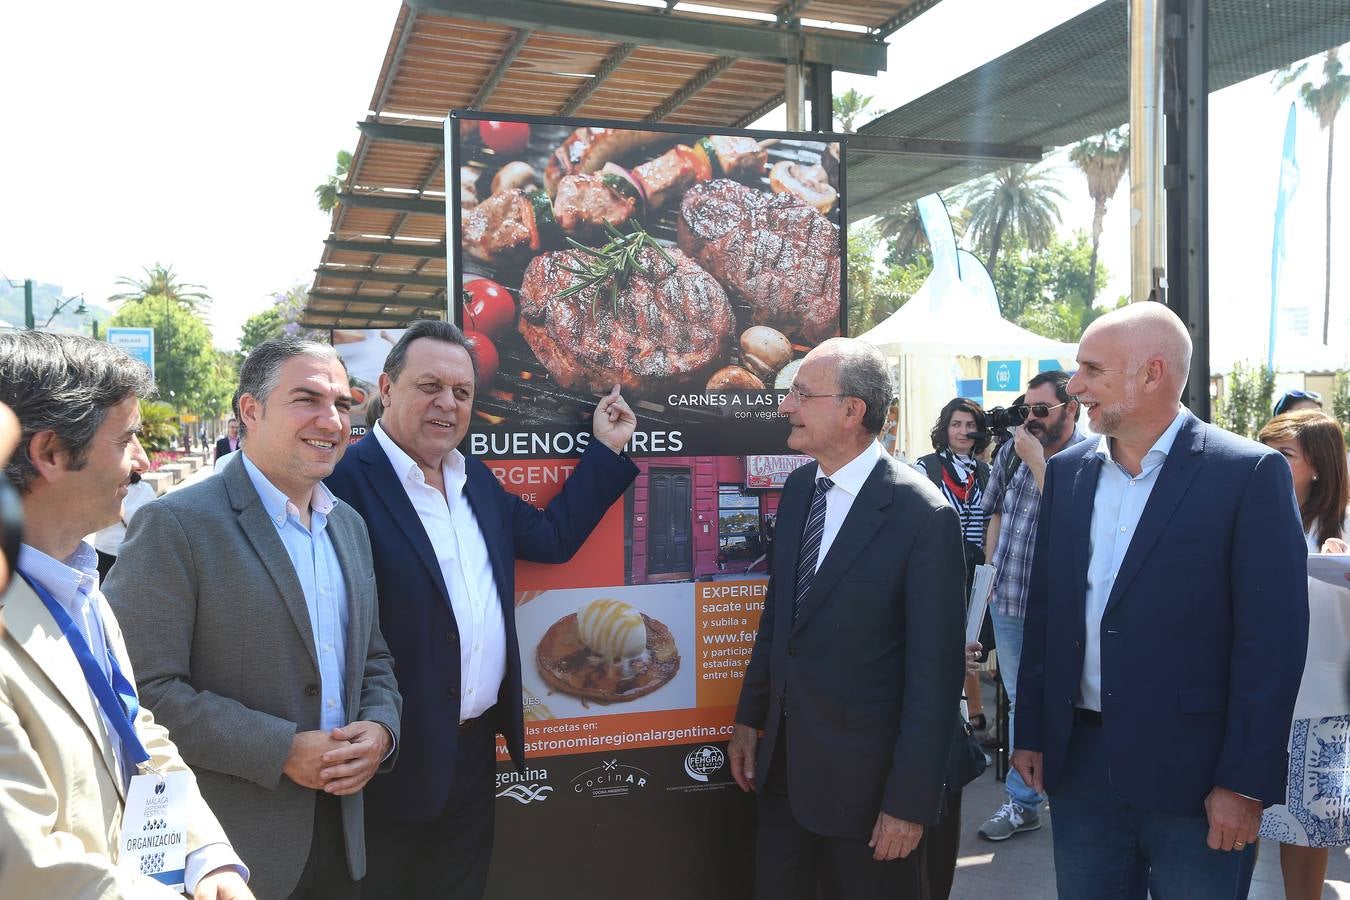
(504, 137)
(485, 352)
(488, 307)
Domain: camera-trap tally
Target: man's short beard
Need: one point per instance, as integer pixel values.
(1053, 434)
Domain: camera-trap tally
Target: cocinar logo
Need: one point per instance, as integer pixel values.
(701, 763)
(611, 779)
(524, 787)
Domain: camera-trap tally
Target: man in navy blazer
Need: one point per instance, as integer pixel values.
(445, 537)
(1166, 627)
(855, 677)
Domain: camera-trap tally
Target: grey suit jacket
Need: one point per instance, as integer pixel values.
(218, 629)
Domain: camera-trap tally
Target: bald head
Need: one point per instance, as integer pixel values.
(1144, 332)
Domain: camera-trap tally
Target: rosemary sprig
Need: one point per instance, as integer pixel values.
(613, 264)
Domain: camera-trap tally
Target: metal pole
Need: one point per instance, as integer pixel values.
(822, 97)
(1186, 104)
(794, 75)
(1147, 223)
(29, 321)
(94, 323)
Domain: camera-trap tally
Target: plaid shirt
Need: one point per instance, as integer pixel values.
(1018, 502)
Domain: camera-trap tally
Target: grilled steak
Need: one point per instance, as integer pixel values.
(657, 332)
(772, 251)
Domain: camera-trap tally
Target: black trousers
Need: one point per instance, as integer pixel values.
(447, 857)
(793, 863)
(326, 875)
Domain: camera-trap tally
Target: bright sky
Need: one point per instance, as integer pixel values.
(193, 135)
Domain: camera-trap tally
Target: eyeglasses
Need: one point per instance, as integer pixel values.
(800, 395)
(1039, 410)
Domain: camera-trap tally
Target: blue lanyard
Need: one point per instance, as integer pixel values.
(118, 697)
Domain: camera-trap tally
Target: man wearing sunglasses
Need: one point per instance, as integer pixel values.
(1013, 500)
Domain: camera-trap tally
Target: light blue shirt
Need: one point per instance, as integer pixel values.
(74, 585)
(316, 566)
(1116, 509)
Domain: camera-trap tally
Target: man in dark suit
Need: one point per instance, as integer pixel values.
(1166, 626)
(229, 441)
(855, 678)
(446, 536)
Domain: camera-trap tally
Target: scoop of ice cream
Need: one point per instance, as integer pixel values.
(612, 629)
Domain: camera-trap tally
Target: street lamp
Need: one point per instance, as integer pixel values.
(80, 310)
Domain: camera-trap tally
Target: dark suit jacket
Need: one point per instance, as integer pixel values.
(419, 622)
(222, 447)
(870, 674)
(1205, 630)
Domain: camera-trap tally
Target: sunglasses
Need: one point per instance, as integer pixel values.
(1292, 397)
(1039, 410)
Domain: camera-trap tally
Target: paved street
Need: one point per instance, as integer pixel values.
(1023, 868)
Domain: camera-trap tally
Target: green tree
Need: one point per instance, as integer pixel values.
(158, 427)
(1324, 100)
(1103, 160)
(1017, 202)
(259, 327)
(326, 194)
(161, 281)
(1340, 401)
(876, 290)
(1050, 291)
(1245, 405)
(849, 107)
(184, 358)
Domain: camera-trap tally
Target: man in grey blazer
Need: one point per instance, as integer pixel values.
(250, 612)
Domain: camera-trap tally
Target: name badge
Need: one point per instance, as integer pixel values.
(154, 827)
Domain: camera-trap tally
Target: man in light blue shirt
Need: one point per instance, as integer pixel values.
(260, 640)
(68, 761)
(1166, 626)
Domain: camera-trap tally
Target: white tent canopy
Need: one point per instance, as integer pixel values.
(951, 329)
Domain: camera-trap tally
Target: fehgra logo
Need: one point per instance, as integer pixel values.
(701, 763)
(524, 787)
(611, 779)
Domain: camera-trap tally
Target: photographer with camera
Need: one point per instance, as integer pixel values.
(1041, 426)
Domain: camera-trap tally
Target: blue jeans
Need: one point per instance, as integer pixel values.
(1107, 849)
(1008, 639)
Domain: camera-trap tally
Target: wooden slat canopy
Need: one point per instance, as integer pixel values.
(639, 62)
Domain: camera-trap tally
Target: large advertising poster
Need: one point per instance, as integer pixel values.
(695, 269)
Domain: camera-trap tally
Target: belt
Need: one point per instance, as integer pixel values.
(1086, 716)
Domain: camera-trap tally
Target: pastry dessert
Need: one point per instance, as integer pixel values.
(607, 652)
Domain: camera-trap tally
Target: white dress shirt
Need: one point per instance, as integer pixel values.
(462, 554)
(73, 584)
(1116, 509)
(848, 481)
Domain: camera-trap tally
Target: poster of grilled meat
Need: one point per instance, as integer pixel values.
(694, 269)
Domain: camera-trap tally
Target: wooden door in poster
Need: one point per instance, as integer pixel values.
(669, 538)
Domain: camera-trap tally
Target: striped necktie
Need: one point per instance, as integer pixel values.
(815, 528)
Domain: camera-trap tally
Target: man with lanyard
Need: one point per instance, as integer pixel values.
(1013, 501)
(94, 798)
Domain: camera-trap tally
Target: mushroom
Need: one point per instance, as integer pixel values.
(734, 378)
(513, 175)
(765, 350)
(468, 187)
(809, 184)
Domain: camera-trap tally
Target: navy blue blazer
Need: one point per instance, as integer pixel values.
(869, 673)
(1205, 630)
(418, 621)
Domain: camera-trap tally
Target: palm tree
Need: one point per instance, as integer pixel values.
(903, 227)
(1019, 200)
(848, 107)
(1324, 101)
(1103, 160)
(327, 193)
(161, 281)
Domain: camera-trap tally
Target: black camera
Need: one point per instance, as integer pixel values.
(1001, 419)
